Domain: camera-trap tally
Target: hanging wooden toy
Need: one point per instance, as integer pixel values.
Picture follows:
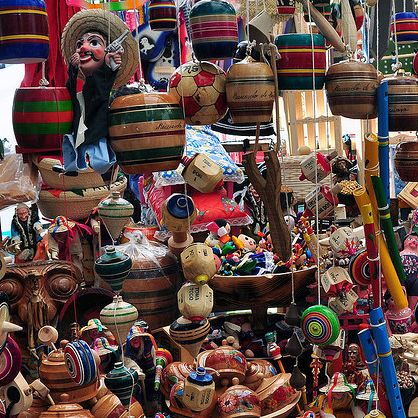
(190, 334)
(146, 132)
(202, 173)
(178, 213)
(113, 267)
(214, 30)
(199, 88)
(250, 91)
(162, 15)
(351, 88)
(403, 102)
(404, 27)
(119, 316)
(198, 263)
(41, 116)
(296, 68)
(115, 212)
(195, 301)
(320, 325)
(24, 35)
(322, 166)
(121, 381)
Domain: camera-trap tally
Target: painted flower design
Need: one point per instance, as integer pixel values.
(228, 402)
(280, 395)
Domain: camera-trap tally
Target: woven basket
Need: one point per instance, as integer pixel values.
(76, 204)
(290, 177)
(86, 179)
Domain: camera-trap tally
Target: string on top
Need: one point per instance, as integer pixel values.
(398, 64)
(315, 154)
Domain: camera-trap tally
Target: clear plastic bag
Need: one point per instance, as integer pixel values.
(17, 183)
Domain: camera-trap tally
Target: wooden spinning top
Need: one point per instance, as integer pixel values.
(178, 213)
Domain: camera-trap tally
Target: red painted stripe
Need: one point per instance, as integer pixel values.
(42, 117)
(39, 94)
(26, 23)
(213, 26)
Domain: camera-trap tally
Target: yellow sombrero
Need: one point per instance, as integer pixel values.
(108, 24)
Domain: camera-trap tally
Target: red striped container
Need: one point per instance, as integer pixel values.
(147, 132)
(41, 116)
(214, 30)
(23, 31)
(406, 27)
(300, 67)
(285, 7)
(162, 15)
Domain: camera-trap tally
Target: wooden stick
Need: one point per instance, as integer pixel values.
(324, 26)
(269, 190)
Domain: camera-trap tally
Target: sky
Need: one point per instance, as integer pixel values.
(10, 79)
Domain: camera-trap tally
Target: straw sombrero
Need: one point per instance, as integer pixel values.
(103, 347)
(108, 24)
(60, 224)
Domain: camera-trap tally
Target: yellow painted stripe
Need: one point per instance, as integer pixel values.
(11, 37)
(38, 12)
(301, 50)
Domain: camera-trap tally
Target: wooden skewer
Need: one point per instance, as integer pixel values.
(324, 26)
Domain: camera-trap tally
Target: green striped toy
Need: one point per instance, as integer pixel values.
(147, 132)
(119, 316)
(41, 116)
(115, 212)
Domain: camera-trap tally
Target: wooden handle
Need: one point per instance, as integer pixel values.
(324, 26)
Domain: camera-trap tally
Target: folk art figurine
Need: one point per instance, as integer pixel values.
(26, 230)
(64, 240)
(92, 47)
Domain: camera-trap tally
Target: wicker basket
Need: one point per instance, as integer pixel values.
(76, 204)
(86, 179)
(290, 177)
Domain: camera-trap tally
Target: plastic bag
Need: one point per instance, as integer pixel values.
(16, 183)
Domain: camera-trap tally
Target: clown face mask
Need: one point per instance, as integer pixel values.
(91, 49)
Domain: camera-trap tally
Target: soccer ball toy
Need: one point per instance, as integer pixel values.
(200, 89)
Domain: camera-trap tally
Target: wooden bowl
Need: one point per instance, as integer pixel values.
(238, 292)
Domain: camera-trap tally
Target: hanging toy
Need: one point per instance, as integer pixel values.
(320, 325)
(214, 30)
(162, 15)
(198, 263)
(404, 27)
(115, 213)
(24, 35)
(121, 382)
(199, 87)
(113, 267)
(202, 173)
(322, 166)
